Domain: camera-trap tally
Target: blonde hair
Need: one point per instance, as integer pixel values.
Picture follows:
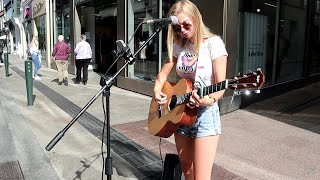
(200, 29)
(35, 41)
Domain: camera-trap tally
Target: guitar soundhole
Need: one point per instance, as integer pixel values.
(173, 102)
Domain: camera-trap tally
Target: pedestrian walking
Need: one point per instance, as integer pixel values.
(83, 58)
(1, 52)
(60, 54)
(196, 54)
(34, 50)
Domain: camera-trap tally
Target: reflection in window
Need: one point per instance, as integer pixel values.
(40, 23)
(145, 66)
(256, 35)
(62, 19)
(314, 42)
(291, 43)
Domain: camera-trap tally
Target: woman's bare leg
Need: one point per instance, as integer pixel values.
(204, 152)
(185, 151)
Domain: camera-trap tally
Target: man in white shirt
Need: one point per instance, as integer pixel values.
(83, 58)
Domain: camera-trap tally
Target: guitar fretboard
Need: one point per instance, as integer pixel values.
(203, 91)
(213, 88)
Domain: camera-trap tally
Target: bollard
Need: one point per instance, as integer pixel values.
(29, 81)
(6, 64)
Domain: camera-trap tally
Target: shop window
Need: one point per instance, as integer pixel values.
(291, 43)
(256, 35)
(41, 29)
(282, 60)
(314, 40)
(146, 65)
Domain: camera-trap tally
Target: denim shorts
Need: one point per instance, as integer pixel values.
(208, 123)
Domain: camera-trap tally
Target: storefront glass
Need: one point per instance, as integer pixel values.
(291, 43)
(146, 64)
(62, 20)
(256, 36)
(314, 42)
(40, 22)
(272, 37)
(149, 60)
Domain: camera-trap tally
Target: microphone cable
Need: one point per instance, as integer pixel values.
(102, 139)
(135, 31)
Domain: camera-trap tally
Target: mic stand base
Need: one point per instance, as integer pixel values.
(108, 168)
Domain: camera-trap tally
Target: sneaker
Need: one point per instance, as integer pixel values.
(60, 83)
(84, 82)
(77, 82)
(65, 81)
(37, 78)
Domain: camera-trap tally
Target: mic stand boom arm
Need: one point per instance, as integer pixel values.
(106, 82)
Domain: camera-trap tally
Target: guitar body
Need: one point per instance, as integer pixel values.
(165, 122)
(175, 112)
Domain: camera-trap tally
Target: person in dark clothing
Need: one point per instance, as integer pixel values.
(83, 58)
(1, 52)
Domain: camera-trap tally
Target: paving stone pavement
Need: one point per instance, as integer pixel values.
(277, 138)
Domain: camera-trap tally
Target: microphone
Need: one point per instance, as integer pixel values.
(170, 20)
(124, 51)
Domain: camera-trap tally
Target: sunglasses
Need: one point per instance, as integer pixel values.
(185, 26)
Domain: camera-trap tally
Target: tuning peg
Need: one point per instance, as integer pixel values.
(259, 69)
(247, 92)
(240, 74)
(257, 91)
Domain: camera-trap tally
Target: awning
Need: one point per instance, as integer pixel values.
(3, 37)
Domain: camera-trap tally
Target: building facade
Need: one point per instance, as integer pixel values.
(279, 36)
(282, 37)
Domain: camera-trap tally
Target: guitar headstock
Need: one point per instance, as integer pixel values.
(249, 81)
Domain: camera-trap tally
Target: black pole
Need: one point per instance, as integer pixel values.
(106, 82)
(108, 160)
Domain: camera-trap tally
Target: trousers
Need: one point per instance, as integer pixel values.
(82, 65)
(62, 66)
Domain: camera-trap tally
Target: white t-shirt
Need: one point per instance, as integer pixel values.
(83, 50)
(188, 62)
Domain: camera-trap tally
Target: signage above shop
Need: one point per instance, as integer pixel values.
(27, 12)
(38, 8)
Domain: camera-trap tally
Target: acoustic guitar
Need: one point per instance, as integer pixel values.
(164, 120)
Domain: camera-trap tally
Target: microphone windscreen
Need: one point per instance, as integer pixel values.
(174, 20)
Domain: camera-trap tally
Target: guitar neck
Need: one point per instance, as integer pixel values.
(203, 91)
(213, 88)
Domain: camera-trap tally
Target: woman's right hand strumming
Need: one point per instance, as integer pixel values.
(160, 98)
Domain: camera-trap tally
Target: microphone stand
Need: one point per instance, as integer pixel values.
(106, 82)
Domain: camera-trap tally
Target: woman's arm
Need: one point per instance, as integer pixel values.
(220, 71)
(219, 66)
(159, 96)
